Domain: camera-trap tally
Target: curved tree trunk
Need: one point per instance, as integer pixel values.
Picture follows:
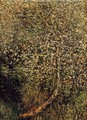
(40, 108)
(55, 93)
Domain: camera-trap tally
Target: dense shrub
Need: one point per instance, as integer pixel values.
(29, 33)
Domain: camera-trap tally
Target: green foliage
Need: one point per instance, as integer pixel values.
(29, 33)
(81, 101)
(8, 111)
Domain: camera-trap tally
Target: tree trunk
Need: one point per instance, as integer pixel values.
(55, 93)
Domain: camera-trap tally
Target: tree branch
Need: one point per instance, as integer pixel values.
(55, 93)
